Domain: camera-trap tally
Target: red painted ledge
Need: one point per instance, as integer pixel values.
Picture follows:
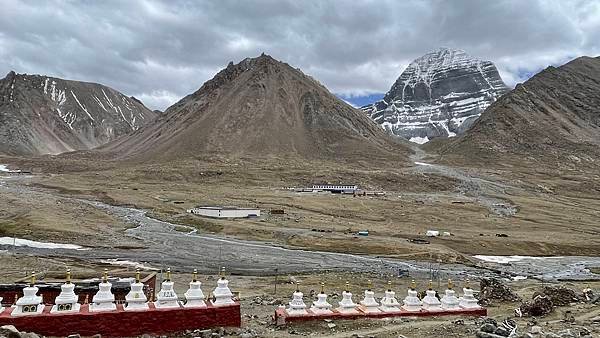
(123, 323)
(281, 317)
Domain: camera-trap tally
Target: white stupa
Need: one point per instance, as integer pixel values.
(347, 305)
(369, 304)
(468, 301)
(389, 303)
(30, 303)
(321, 306)
(167, 298)
(104, 300)
(296, 305)
(194, 296)
(222, 295)
(450, 301)
(430, 301)
(67, 300)
(136, 298)
(411, 301)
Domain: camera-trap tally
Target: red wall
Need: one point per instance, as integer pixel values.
(122, 323)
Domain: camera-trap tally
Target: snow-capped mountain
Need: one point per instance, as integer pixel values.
(439, 94)
(46, 115)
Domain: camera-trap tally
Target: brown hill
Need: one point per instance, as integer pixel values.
(46, 115)
(554, 116)
(259, 107)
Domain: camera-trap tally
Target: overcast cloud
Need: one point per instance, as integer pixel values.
(159, 51)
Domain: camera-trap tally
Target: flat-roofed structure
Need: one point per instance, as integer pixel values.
(341, 188)
(225, 212)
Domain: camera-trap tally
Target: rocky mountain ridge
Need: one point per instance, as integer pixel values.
(48, 115)
(554, 116)
(439, 94)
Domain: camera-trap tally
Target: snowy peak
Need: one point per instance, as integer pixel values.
(47, 115)
(439, 94)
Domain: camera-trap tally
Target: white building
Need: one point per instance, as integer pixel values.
(225, 212)
(336, 188)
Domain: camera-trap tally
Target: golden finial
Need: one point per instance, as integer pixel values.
(137, 275)
(322, 287)
(450, 284)
(105, 276)
(369, 284)
(467, 284)
(347, 286)
(222, 272)
(389, 285)
(297, 286)
(33, 275)
(168, 274)
(195, 275)
(68, 276)
(430, 284)
(413, 285)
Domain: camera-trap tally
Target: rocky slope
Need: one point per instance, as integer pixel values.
(259, 107)
(46, 115)
(553, 116)
(439, 94)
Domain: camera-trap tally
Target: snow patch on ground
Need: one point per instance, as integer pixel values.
(507, 259)
(39, 245)
(423, 163)
(419, 140)
(119, 262)
(518, 278)
(3, 168)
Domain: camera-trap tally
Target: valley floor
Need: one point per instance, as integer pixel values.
(117, 212)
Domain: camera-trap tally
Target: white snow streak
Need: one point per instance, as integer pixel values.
(100, 103)
(82, 107)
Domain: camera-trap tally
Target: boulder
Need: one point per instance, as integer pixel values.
(9, 331)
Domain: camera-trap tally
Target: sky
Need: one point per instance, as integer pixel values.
(160, 51)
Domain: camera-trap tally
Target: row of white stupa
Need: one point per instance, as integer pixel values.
(388, 303)
(104, 299)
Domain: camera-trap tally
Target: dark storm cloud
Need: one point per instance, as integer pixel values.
(161, 51)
